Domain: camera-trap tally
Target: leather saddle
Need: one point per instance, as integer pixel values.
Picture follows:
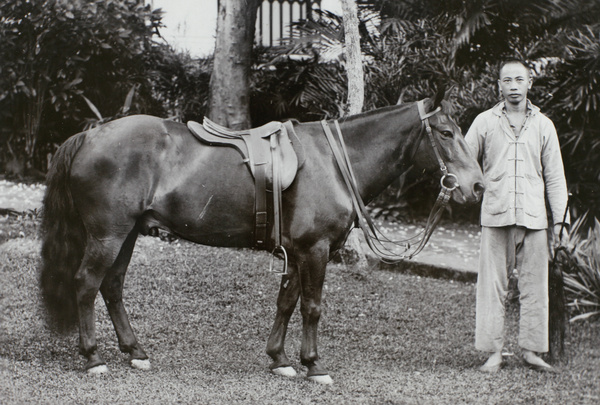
(258, 147)
(272, 158)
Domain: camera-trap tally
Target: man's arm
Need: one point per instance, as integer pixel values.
(554, 179)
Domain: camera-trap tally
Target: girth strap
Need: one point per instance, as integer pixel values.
(260, 199)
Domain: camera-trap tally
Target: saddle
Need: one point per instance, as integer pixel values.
(272, 158)
(258, 147)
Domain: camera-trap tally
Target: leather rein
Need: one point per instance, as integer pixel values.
(378, 242)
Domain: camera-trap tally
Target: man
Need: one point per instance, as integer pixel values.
(518, 150)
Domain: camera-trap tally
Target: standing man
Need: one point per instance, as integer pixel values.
(518, 150)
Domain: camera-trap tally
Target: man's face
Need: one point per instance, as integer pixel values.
(514, 82)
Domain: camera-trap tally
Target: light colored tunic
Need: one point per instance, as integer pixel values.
(520, 172)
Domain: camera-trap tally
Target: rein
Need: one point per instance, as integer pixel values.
(373, 236)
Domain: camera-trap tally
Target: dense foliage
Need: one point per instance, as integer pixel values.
(56, 51)
(580, 264)
(180, 83)
(573, 102)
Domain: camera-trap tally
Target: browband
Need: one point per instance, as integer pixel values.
(423, 114)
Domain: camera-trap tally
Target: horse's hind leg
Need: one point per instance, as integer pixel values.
(289, 292)
(112, 292)
(98, 259)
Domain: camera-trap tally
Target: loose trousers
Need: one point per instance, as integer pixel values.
(502, 250)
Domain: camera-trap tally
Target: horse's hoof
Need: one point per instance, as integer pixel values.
(98, 370)
(321, 379)
(140, 364)
(284, 371)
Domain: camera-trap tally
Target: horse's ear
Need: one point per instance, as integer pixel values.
(439, 95)
(401, 97)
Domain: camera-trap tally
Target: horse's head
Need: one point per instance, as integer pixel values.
(444, 147)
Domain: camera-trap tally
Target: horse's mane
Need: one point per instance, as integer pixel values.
(375, 111)
(447, 107)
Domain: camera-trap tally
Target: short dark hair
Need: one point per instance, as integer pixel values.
(513, 61)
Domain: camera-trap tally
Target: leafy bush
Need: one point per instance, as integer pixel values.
(179, 83)
(580, 263)
(573, 102)
(307, 89)
(55, 51)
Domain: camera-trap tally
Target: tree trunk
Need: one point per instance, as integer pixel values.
(354, 70)
(229, 98)
(356, 95)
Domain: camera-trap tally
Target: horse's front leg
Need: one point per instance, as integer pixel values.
(311, 270)
(289, 291)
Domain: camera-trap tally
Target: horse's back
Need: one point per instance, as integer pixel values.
(144, 168)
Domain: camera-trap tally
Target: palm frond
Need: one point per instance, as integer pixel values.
(465, 29)
(581, 269)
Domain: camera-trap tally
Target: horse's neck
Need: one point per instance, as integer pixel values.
(380, 147)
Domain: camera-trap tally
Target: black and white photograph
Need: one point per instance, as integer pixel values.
(300, 202)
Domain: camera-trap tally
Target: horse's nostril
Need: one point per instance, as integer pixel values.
(478, 189)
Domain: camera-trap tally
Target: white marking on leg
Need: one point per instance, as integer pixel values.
(141, 364)
(284, 371)
(321, 379)
(98, 370)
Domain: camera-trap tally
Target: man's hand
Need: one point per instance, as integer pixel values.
(564, 238)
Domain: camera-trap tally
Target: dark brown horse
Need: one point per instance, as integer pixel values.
(141, 173)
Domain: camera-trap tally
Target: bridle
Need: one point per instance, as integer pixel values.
(373, 236)
(425, 120)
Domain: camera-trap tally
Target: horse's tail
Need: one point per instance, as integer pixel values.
(63, 239)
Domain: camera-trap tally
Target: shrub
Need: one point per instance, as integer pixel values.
(179, 82)
(306, 89)
(53, 52)
(580, 263)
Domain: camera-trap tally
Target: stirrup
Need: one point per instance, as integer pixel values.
(285, 261)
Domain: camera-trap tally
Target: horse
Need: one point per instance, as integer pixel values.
(140, 174)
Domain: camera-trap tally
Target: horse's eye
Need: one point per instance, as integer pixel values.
(447, 134)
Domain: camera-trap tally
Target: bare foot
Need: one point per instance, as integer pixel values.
(493, 363)
(535, 362)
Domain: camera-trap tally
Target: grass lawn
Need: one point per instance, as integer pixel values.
(203, 316)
